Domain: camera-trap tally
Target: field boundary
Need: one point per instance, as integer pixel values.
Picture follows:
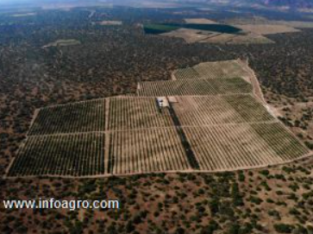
(106, 175)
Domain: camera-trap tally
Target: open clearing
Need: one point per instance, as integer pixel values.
(110, 22)
(62, 42)
(17, 15)
(267, 29)
(189, 35)
(253, 31)
(200, 36)
(199, 21)
(208, 118)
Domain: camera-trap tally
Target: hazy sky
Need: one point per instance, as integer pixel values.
(12, 2)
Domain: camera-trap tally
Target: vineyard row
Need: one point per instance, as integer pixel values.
(77, 117)
(212, 70)
(75, 155)
(194, 87)
(216, 148)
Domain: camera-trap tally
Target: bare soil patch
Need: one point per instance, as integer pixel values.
(62, 42)
(199, 21)
(111, 22)
(267, 29)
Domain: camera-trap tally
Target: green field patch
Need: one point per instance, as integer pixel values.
(167, 27)
(77, 117)
(280, 140)
(69, 155)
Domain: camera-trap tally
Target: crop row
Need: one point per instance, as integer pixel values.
(215, 148)
(194, 87)
(199, 111)
(248, 108)
(75, 155)
(78, 117)
(133, 113)
(220, 70)
(149, 150)
(280, 140)
(229, 147)
(186, 73)
(176, 87)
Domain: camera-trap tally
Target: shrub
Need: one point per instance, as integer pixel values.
(283, 228)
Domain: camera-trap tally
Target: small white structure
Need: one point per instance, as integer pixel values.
(162, 102)
(172, 99)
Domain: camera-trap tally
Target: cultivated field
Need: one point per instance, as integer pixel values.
(151, 150)
(199, 21)
(214, 122)
(194, 87)
(213, 70)
(133, 113)
(280, 140)
(267, 29)
(69, 155)
(248, 108)
(189, 35)
(231, 39)
(77, 117)
(186, 73)
(218, 110)
(198, 36)
(229, 147)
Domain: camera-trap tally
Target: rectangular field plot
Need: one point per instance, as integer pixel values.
(150, 150)
(77, 117)
(220, 70)
(132, 113)
(64, 155)
(202, 110)
(186, 73)
(280, 140)
(216, 110)
(176, 87)
(231, 86)
(229, 147)
(194, 87)
(248, 108)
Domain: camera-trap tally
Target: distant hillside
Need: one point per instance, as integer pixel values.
(293, 4)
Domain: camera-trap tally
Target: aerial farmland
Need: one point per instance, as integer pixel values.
(210, 117)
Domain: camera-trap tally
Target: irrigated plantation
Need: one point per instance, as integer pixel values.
(213, 70)
(64, 155)
(202, 123)
(280, 140)
(132, 113)
(110, 61)
(217, 110)
(230, 86)
(151, 150)
(248, 108)
(202, 110)
(77, 117)
(194, 87)
(229, 147)
(176, 87)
